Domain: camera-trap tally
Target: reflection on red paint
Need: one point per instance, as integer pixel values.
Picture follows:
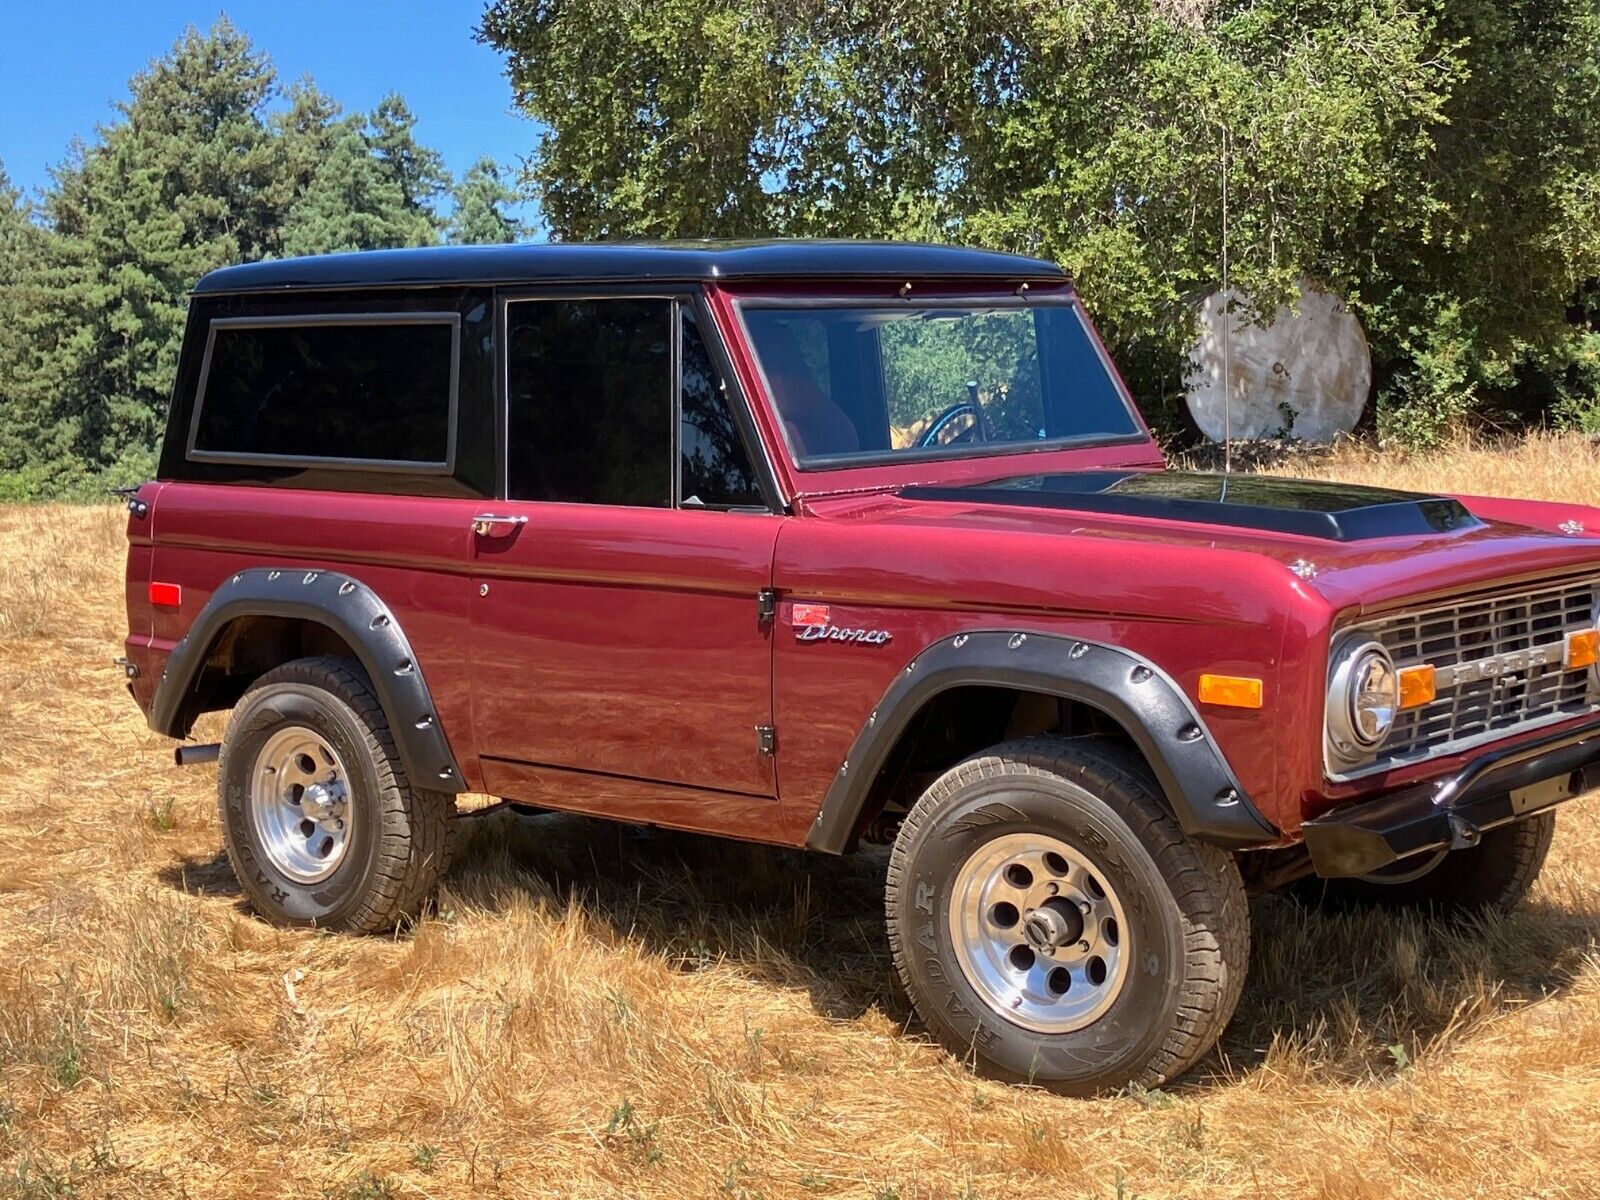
(811, 614)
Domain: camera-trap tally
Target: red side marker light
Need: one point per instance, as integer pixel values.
(166, 595)
(811, 614)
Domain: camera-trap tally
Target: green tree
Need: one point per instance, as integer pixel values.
(23, 249)
(305, 132)
(481, 200)
(207, 163)
(418, 171)
(1437, 161)
(351, 202)
(180, 185)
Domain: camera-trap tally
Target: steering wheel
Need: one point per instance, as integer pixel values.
(973, 433)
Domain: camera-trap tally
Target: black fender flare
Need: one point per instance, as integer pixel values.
(1200, 787)
(350, 609)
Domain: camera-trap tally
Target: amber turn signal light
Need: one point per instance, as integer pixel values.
(1417, 686)
(1232, 691)
(1583, 648)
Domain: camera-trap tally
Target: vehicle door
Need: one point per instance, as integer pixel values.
(619, 586)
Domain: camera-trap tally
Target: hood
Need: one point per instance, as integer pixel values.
(1266, 503)
(1360, 547)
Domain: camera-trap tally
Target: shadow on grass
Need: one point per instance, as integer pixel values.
(203, 877)
(1352, 996)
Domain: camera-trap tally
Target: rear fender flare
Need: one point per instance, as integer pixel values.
(1201, 789)
(353, 611)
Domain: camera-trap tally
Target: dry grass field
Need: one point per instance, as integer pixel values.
(598, 1011)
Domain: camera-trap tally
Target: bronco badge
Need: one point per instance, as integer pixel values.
(814, 623)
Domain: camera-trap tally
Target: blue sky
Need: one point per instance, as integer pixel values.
(62, 65)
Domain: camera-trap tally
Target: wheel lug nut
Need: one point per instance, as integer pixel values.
(1084, 946)
(1051, 888)
(1084, 906)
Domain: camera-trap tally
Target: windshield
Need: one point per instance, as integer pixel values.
(884, 382)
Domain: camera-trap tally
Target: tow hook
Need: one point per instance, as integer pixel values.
(129, 667)
(187, 756)
(1463, 833)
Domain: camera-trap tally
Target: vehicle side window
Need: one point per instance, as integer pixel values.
(590, 401)
(378, 390)
(716, 470)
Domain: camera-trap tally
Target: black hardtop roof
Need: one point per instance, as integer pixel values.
(563, 262)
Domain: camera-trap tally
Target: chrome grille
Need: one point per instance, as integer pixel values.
(1531, 688)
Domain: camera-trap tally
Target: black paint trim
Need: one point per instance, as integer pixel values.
(1332, 511)
(1204, 794)
(356, 614)
(1449, 813)
(474, 473)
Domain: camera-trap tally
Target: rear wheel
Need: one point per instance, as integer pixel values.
(1493, 876)
(1052, 924)
(321, 824)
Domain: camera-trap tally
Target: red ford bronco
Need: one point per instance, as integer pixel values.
(823, 543)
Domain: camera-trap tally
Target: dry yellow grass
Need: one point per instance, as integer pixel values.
(596, 1011)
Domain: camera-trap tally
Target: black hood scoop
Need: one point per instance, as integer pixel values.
(1335, 511)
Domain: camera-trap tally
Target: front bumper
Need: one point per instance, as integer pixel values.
(1496, 788)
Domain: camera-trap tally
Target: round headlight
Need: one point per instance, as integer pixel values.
(1363, 697)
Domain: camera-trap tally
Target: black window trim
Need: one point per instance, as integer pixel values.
(679, 297)
(302, 320)
(890, 458)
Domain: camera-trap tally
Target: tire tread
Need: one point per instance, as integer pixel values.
(415, 842)
(1203, 880)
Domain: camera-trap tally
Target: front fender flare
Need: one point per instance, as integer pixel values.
(1199, 786)
(353, 611)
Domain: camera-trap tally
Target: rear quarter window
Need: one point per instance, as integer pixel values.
(377, 390)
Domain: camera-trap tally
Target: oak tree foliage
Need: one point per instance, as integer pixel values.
(1435, 161)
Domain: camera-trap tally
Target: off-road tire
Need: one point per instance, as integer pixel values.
(1492, 877)
(400, 835)
(1189, 923)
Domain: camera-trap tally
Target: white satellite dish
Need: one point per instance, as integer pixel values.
(1305, 375)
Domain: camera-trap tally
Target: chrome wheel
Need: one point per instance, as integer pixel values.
(299, 804)
(1038, 933)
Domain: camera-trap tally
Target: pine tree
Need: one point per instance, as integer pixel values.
(183, 184)
(352, 202)
(481, 198)
(418, 171)
(305, 134)
(22, 249)
(202, 168)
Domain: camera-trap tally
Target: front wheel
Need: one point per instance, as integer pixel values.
(321, 824)
(1053, 924)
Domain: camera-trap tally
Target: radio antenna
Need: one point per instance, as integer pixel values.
(1227, 321)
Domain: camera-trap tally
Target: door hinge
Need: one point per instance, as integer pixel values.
(767, 739)
(766, 604)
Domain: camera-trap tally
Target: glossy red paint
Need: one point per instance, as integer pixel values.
(413, 551)
(928, 571)
(613, 660)
(625, 641)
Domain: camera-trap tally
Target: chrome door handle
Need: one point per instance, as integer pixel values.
(484, 522)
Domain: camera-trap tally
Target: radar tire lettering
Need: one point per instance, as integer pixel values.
(1184, 902)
